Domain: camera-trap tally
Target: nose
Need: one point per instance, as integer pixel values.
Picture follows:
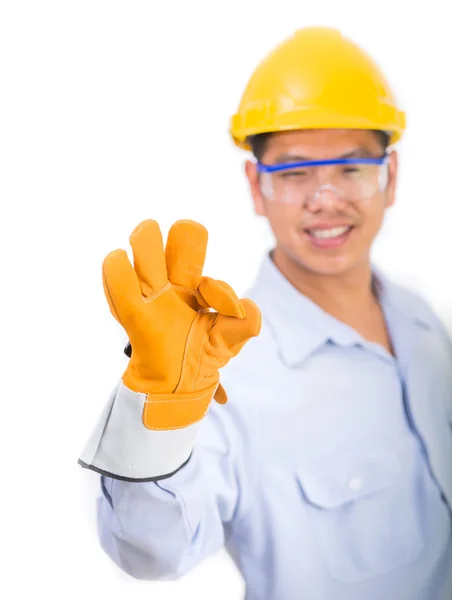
(325, 198)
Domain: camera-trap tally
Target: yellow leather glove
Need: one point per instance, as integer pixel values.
(164, 304)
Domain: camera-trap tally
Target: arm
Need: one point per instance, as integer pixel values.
(164, 504)
(162, 529)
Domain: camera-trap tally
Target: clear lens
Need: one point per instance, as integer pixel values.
(351, 182)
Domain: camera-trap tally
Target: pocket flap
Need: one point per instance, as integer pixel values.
(344, 476)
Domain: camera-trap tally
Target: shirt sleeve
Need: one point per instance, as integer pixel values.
(161, 529)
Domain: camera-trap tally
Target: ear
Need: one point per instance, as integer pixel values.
(253, 179)
(393, 168)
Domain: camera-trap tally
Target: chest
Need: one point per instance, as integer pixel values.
(342, 397)
(354, 458)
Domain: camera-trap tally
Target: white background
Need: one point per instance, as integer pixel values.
(113, 112)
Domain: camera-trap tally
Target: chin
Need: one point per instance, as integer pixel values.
(327, 266)
(303, 258)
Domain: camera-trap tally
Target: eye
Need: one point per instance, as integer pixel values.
(293, 174)
(354, 172)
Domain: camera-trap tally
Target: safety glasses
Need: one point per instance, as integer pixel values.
(352, 179)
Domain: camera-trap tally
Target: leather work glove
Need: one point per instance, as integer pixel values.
(182, 328)
(165, 306)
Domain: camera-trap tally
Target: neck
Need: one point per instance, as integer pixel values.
(338, 295)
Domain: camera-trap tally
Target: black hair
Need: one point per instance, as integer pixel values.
(258, 142)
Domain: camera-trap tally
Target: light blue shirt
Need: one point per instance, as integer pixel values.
(327, 475)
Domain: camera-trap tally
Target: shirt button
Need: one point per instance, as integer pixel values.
(355, 484)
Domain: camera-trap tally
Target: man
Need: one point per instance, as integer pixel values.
(328, 472)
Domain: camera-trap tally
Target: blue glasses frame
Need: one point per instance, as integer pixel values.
(320, 163)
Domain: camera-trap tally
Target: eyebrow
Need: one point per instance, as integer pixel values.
(356, 153)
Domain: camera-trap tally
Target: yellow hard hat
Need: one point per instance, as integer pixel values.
(316, 79)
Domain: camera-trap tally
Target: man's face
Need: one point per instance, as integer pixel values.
(301, 229)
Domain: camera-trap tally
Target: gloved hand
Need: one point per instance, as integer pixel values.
(178, 343)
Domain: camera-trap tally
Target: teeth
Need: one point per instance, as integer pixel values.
(328, 233)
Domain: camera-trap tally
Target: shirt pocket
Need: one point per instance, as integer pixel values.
(362, 513)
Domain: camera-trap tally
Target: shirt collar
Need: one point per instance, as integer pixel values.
(403, 302)
(300, 326)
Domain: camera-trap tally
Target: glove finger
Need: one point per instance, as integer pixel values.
(149, 257)
(221, 297)
(121, 286)
(229, 334)
(220, 395)
(185, 253)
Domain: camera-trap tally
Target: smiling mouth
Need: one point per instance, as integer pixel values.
(329, 234)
